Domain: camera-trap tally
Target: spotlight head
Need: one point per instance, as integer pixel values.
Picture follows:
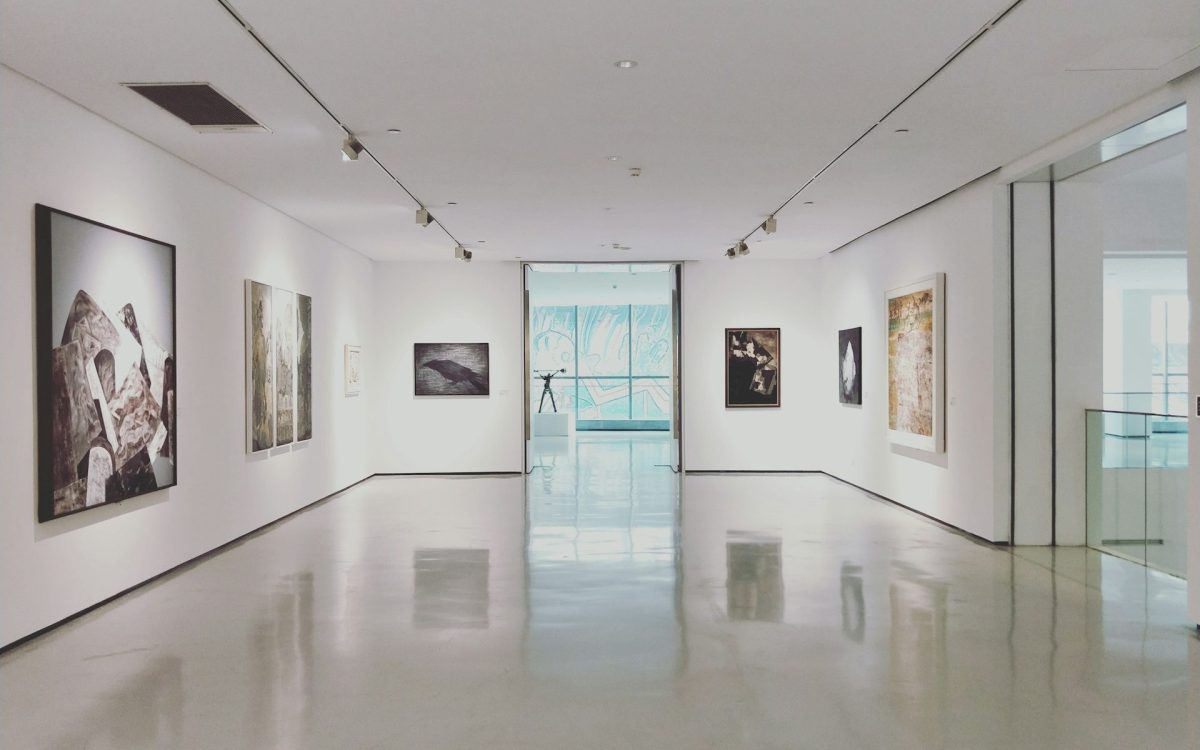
(731, 253)
(770, 225)
(743, 248)
(424, 217)
(462, 253)
(351, 148)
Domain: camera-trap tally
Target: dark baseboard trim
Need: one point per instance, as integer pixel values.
(947, 526)
(971, 536)
(446, 474)
(181, 567)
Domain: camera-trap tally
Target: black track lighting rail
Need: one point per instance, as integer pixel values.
(313, 95)
(945, 64)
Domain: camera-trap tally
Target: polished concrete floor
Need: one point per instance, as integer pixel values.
(598, 611)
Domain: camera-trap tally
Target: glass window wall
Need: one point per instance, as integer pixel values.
(617, 362)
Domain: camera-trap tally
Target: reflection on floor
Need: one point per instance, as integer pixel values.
(601, 611)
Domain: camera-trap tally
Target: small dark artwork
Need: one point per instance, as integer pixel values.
(751, 367)
(850, 366)
(106, 364)
(451, 370)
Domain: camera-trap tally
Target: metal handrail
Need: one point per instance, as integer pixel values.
(1137, 413)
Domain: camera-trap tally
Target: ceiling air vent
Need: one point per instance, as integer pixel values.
(199, 105)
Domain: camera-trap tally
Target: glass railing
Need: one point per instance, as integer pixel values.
(1173, 401)
(1137, 487)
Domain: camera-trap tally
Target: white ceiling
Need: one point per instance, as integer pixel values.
(510, 108)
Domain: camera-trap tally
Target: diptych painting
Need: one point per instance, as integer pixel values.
(751, 367)
(850, 366)
(106, 364)
(278, 367)
(451, 370)
(915, 387)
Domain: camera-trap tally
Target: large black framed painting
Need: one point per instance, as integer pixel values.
(752, 367)
(850, 366)
(451, 370)
(106, 364)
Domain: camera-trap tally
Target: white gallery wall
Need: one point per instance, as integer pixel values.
(445, 301)
(749, 293)
(956, 235)
(810, 301)
(56, 153)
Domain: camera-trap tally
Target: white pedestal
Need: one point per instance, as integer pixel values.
(561, 424)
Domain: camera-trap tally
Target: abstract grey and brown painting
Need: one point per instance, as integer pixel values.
(260, 367)
(304, 367)
(451, 370)
(284, 304)
(106, 364)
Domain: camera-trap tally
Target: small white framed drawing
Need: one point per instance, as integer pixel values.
(353, 372)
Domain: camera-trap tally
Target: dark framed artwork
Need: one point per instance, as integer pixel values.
(451, 370)
(752, 367)
(850, 366)
(106, 396)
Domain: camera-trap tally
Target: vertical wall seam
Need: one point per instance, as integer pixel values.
(1012, 364)
(1053, 377)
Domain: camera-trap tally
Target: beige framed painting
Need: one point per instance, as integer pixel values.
(915, 364)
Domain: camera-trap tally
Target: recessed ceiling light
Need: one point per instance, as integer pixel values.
(615, 157)
(808, 203)
(394, 131)
(451, 203)
(626, 64)
(481, 242)
(901, 130)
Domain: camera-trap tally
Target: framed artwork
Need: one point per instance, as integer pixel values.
(450, 370)
(278, 367)
(353, 370)
(284, 304)
(304, 426)
(850, 366)
(260, 368)
(915, 349)
(106, 396)
(752, 367)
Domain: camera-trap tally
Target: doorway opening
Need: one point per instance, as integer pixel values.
(601, 355)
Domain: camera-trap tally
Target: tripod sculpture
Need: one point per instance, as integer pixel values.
(546, 378)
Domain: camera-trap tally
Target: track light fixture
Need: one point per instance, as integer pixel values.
(770, 225)
(461, 253)
(742, 248)
(424, 218)
(731, 253)
(351, 148)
